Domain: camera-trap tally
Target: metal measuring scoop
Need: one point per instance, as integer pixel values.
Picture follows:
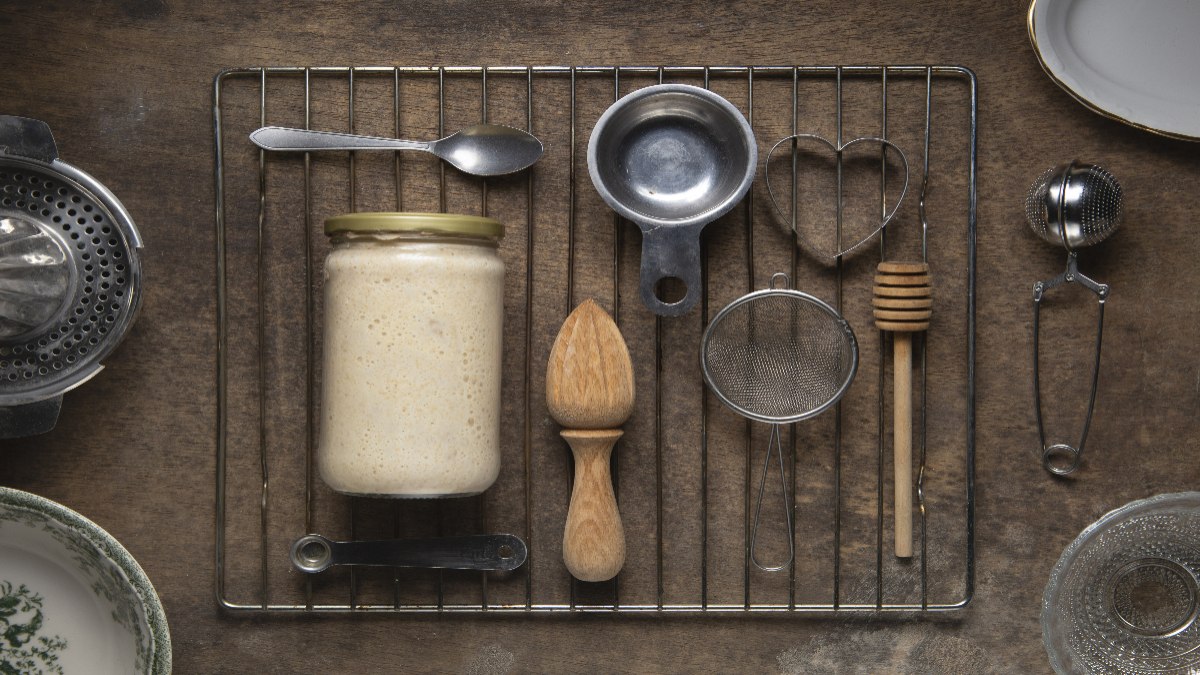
(672, 158)
(481, 150)
(1072, 205)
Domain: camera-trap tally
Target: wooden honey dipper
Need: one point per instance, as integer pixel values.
(903, 304)
(589, 391)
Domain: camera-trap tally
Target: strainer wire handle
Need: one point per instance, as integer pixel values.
(1049, 452)
(774, 446)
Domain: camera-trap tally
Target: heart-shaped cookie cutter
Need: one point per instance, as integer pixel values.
(838, 150)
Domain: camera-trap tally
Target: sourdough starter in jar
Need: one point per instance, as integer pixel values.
(410, 402)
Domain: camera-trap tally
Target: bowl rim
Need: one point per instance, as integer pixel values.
(746, 133)
(156, 618)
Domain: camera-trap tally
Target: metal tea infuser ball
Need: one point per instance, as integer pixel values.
(1072, 205)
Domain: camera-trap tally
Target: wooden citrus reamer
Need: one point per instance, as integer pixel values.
(589, 391)
(903, 304)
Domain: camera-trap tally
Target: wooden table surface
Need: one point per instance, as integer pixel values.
(126, 87)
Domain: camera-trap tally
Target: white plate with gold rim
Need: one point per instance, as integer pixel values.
(1135, 62)
(72, 599)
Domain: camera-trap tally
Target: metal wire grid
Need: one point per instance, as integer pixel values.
(529, 75)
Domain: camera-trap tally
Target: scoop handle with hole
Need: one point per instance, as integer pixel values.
(487, 552)
(670, 251)
(594, 539)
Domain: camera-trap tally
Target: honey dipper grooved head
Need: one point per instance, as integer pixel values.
(903, 299)
(589, 376)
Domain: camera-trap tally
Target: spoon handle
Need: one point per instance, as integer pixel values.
(594, 540)
(303, 140)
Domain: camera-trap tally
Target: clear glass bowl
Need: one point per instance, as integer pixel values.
(1125, 595)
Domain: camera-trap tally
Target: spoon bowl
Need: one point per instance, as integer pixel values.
(489, 150)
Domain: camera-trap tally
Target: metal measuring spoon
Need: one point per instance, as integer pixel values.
(481, 150)
(499, 552)
(672, 158)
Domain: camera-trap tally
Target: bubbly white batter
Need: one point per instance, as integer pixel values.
(412, 358)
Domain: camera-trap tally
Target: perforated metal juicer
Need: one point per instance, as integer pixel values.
(70, 277)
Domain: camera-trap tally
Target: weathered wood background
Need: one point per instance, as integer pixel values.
(127, 89)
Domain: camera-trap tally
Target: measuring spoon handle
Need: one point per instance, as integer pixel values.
(498, 552)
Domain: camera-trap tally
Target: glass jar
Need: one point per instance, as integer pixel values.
(410, 394)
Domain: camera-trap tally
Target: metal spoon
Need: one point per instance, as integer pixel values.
(481, 150)
(502, 552)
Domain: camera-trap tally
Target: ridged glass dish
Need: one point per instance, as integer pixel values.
(1125, 594)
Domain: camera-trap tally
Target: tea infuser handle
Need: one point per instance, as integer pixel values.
(1069, 276)
(1062, 459)
(670, 252)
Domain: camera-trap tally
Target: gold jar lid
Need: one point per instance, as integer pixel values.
(423, 223)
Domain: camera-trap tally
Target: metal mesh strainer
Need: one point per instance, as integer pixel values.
(778, 356)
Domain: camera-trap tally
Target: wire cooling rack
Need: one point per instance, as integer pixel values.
(686, 468)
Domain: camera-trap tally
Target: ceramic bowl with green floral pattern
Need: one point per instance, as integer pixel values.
(72, 599)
